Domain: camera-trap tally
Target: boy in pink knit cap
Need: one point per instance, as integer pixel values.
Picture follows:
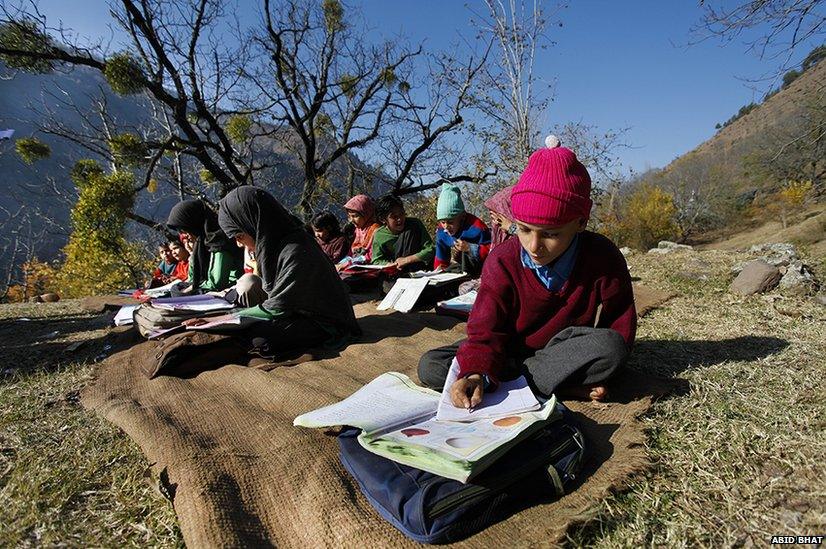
(555, 304)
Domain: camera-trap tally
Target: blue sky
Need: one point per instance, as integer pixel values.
(615, 64)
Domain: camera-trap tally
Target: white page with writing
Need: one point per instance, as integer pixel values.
(511, 397)
(390, 400)
(124, 315)
(403, 295)
(213, 304)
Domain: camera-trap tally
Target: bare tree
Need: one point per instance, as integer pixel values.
(771, 28)
(510, 93)
(304, 76)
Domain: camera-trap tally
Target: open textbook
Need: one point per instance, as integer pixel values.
(437, 278)
(226, 321)
(200, 303)
(398, 421)
(403, 295)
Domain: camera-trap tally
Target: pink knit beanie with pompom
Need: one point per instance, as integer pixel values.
(555, 187)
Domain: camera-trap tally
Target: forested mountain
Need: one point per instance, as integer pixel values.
(36, 199)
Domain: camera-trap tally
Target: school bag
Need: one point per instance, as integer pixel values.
(432, 509)
(149, 319)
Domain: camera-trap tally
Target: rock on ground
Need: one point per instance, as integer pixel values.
(666, 247)
(776, 254)
(695, 270)
(798, 280)
(756, 277)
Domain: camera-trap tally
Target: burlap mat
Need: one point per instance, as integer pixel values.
(647, 299)
(240, 474)
(101, 303)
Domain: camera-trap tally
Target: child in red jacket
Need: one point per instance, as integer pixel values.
(555, 304)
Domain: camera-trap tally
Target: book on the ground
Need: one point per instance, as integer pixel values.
(403, 295)
(202, 303)
(458, 306)
(438, 278)
(124, 315)
(398, 421)
(511, 397)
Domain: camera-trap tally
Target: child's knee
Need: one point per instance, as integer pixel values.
(614, 345)
(248, 282)
(432, 372)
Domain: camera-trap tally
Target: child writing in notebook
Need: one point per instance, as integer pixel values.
(555, 303)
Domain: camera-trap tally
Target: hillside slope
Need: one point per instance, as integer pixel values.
(809, 232)
(774, 121)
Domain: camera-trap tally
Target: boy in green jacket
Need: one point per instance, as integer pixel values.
(401, 241)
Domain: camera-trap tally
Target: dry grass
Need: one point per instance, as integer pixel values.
(808, 228)
(67, 477)
(738, 458)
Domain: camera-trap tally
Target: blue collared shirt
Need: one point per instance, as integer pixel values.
(554, 275)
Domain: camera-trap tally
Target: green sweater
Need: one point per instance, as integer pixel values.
(224, 271)
(384, 243)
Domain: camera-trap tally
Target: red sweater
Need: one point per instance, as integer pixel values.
(515, 315)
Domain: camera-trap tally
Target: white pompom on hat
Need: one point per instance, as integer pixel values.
(552, 142)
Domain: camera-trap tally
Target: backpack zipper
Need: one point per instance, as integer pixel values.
(471, 493)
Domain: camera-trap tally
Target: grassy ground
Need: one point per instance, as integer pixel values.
(738, 457)
(67, 477)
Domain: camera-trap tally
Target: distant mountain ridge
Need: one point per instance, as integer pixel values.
(23, 186)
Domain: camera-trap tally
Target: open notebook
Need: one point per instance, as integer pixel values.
(398, 421)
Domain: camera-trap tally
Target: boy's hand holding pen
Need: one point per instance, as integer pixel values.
(467, 392)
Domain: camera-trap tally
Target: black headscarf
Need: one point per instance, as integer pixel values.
(298, 277)
(197, 218)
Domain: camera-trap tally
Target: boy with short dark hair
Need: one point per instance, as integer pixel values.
(402, 241)
(165, 269)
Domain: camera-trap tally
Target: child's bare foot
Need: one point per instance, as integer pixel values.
(596, 393)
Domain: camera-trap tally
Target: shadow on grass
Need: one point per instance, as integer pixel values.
(39, 344)
(669, 358)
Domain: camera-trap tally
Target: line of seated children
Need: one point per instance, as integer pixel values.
(555, 303)
(164, 271)
(181, 256)
(361, 212)
(304, 303)
(462, 239)
(401, 241)
(328, 234)
(216, 262)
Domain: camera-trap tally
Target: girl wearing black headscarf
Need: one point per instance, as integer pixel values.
(306, 302)
(216, 261)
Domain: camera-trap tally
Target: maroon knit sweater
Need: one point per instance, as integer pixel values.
(515, 315)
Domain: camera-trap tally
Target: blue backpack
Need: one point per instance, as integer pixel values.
(433, 509)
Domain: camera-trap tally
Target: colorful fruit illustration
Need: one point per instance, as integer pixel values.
(507, 421)
(415, 432)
